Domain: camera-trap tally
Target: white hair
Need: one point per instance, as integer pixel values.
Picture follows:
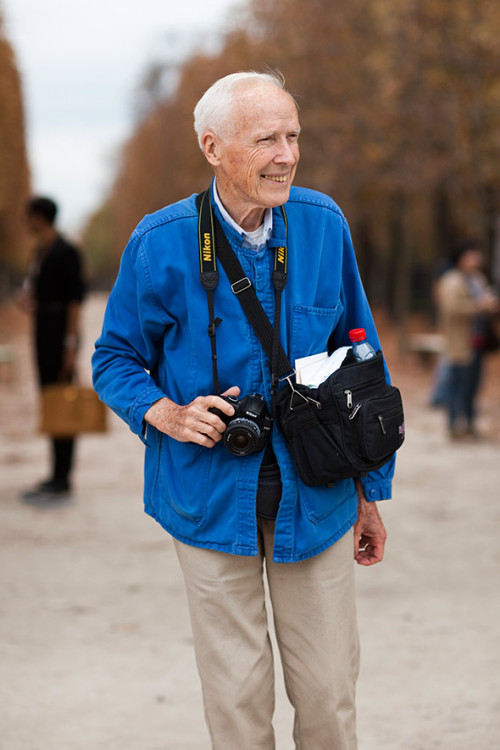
(213, 109)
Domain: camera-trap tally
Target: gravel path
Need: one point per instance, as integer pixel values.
(95, 643)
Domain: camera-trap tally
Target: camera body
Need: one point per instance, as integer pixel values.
(248, 429)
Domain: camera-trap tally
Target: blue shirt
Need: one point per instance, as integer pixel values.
(155, 343)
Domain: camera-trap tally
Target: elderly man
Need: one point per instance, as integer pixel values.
(233, 516)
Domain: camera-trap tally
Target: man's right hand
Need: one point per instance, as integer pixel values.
(193, 423)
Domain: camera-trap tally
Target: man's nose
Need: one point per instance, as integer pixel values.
(287, 153)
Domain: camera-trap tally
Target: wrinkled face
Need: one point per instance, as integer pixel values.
(256, 159)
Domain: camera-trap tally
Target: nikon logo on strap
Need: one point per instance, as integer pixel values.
(207, 248)
(281, 256)
(208, 260)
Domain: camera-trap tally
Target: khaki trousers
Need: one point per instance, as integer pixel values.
(315, 621)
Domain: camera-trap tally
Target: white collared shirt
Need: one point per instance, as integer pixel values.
(254, 239)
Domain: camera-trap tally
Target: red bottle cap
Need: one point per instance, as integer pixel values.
(357, 334)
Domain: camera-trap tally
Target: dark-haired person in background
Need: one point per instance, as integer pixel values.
(53, 292)
(465, 302)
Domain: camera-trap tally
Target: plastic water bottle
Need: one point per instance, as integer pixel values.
(360, 346)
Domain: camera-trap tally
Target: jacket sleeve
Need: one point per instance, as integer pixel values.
(128, 348)
(357, 314)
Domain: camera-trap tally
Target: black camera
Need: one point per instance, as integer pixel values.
(248, 429)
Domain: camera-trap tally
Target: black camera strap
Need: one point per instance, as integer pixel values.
(214, 244)
(208, 271)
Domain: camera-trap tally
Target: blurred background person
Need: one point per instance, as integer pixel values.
(465, 306)
(441, 380)
(53, 292)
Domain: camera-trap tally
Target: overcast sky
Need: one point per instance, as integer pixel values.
(80, 62)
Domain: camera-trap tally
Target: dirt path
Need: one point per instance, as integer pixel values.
(95, 645)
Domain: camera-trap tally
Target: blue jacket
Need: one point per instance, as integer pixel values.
(155, 342)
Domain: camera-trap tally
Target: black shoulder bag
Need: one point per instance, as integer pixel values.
(348, 426)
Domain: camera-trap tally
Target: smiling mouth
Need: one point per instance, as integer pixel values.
(276, 178)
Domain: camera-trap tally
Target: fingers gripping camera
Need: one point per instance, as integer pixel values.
(248, 429)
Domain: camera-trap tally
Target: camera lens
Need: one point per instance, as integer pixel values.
(241, 437)
(240, 441)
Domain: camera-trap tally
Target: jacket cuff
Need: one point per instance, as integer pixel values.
(139, 408)
(377, 491)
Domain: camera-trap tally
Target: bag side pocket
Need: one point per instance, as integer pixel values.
(383, 425)
(376, 427)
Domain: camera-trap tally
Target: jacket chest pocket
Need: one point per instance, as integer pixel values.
(311, 328)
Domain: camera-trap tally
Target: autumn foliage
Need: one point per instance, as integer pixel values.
(14, 175)
(399, 107)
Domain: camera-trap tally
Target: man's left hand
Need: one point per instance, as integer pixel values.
(369, 531)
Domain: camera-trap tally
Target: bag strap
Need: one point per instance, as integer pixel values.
(242, 286)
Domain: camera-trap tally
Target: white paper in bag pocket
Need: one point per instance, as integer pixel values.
(313, 370)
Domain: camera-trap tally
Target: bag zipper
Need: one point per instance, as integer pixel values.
(355, 410)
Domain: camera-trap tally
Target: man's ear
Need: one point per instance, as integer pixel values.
(211, 148)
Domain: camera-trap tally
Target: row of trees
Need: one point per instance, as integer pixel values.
(14, 172)
(399, 107)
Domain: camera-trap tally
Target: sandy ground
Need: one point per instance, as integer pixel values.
(95, 643)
